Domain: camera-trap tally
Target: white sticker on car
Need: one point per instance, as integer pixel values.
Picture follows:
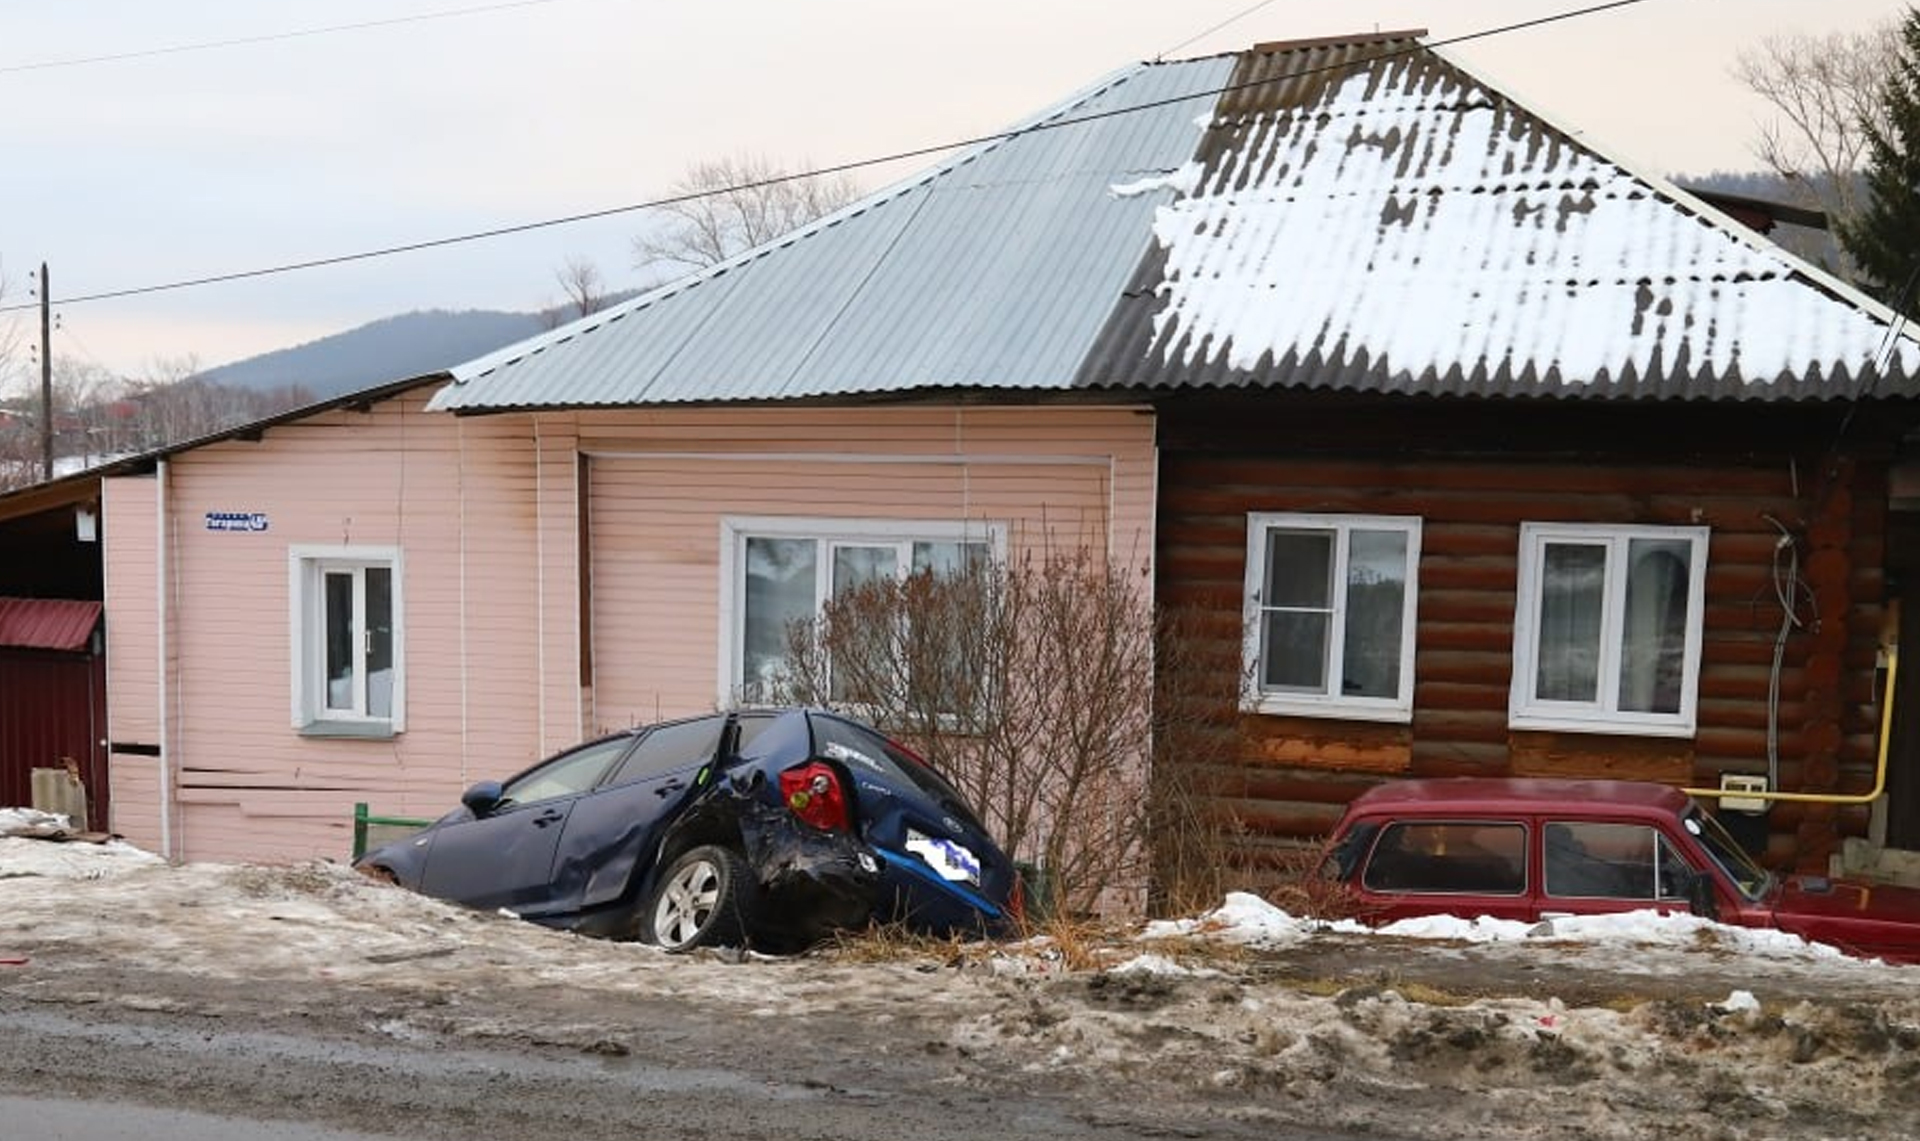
(841, 752)
(954, 862)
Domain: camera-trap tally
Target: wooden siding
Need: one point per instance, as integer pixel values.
(564, 677)
(455, 498)
(132, 605)
(128, 527)
(1474, 474)
(136, 800)
(662, 482)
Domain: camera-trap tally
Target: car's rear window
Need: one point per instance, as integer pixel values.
(1471, 857)
(874, 746)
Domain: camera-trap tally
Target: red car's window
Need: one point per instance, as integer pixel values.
(1589, 859)
(1457, 857)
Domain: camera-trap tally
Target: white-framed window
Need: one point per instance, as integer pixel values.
(777, 571)
(1607, 628)
(346, 638)
(1330, 609)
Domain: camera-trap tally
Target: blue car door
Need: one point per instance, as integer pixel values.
(617, 827)
(505, 857)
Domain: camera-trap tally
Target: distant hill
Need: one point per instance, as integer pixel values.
(392, 348)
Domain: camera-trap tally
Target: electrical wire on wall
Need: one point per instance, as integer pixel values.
(1787, 590)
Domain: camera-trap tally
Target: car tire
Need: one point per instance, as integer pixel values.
(702, 900)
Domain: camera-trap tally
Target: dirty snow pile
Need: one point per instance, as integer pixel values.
(1251, 921)
(24, 850)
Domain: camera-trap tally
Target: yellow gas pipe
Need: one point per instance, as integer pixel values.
(1879, 771)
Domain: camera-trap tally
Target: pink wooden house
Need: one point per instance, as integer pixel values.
(384, 604)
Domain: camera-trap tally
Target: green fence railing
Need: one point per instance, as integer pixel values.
(369, 830)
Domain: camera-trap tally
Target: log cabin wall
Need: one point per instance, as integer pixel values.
(1474, 472)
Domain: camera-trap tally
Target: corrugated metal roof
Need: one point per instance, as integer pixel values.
(47, 623)
(1361, 215)
(1382, 221)
(996, 269)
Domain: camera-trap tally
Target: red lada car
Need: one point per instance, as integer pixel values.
(1533, 849)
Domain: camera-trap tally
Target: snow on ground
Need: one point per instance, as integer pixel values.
(1251, 921)
(1790, 1040)
(24, 852)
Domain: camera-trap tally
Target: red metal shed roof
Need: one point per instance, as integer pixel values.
(47, 623)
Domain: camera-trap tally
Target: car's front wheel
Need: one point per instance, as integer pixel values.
(703, 900)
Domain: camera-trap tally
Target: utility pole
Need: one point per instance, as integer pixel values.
(46, 378)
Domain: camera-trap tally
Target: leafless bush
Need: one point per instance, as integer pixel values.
(1031, 686)
(1304, 889)
(1028, 685)
(1197, 774)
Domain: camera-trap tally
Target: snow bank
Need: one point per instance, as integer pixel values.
(33, 822)
(31, 845)
(1251, 921)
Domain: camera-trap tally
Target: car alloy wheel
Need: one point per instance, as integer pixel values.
(701, 901)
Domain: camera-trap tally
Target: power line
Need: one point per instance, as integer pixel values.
(270, 37)
(1233, 19)
(839, 168)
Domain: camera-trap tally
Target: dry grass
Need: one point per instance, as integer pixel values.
(1075, 944)
(1426, 995)
(1081, 944)
(894, 942)
(1419, 993)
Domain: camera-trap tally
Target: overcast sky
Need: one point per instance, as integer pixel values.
(131, 164)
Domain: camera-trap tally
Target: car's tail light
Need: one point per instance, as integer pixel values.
(1017, 898)
(814, 794)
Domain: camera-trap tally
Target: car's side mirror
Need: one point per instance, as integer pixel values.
(482, 798)
(1701, 899)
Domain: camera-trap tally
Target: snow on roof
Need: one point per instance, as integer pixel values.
(1361, 214)
(1396, 224)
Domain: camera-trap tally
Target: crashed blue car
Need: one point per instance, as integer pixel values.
(761, 828)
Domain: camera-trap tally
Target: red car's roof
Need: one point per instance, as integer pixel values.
(1519, 794)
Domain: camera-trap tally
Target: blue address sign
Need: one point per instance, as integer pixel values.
(236, 520)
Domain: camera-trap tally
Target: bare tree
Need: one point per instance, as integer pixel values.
(733, 204)
(585, 289)
(1826, 92)
(171, 403)
(77, 386)
(99, 415)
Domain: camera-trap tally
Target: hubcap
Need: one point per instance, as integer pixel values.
(687, 904)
